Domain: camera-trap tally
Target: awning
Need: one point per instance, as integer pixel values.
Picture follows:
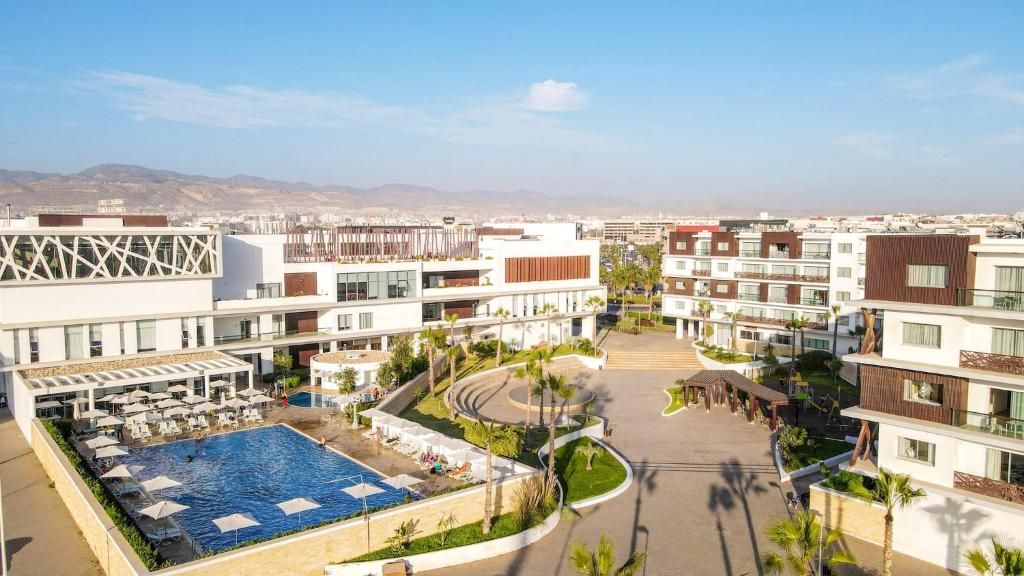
(135, 370)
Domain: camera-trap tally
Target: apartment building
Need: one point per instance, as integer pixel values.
(639, 231)
(92, 306)
(942, 386)
(766, 279)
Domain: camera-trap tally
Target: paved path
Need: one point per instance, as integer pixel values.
(42, 539)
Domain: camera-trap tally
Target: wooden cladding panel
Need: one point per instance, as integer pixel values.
(730, 289)
(543, 268)
(299, 283)
(730, 238)
(679, 286)
(127, 220)
(793, 293)
(300, 321)
(762, 292)
(302, 353)
(882, 391)
(889, 255)
(688, 237)
(453, 278)
(461, 308)
(790, 239)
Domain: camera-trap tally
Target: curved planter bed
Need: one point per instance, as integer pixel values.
(741, 367)
(670, 400)
(595, 433)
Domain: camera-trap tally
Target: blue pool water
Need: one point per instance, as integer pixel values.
(249, 472)
(307, 400)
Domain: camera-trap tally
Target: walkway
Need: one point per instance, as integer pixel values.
(42, 538)
(648, 351)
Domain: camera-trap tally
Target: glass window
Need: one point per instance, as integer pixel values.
(1005, 466)
(783, 339)
(344, 322)
(723, 266)
(927, 335)
(752, 311)
(268, 290)
(927, 275)
(754, 268)
(365, 320)
(74, 347)
(1010, 278)
(1008, 342)
(680, 245)
(818, 344)
(842, 296)
(380, 285)
(680, 265)
(750, 249)
(200, 333)
(844, 272)
(721, 308)
(816, 271)
(95, 340)
(921, 391)
(17, 346)
(680, 285)
(722, 288)
(845, 248)
(778, 294)
(917, 450)
(785, 269)
(120, 333)
(145, 335)
(723, 246)
(750, 335)
(680, 304)
(184, 333)
(843, 320)
(786, 315)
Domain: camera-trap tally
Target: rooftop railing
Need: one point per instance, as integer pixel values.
(994, 299)
(814, 301)
(989, 487)
(990, 423)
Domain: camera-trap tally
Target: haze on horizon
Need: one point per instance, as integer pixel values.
(826, 107)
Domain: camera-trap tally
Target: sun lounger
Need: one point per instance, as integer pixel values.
(173, 427)
(161, 535)
(119, 490)
(203, 423)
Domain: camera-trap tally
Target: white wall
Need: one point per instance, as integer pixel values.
(249, 259)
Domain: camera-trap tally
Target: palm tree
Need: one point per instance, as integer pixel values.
(794, 325)
(594, 303)
(893, 491)
(548, 309)
(557, 386)
(451, 319)
(704, 307)
(1004, 561)
(433, 339)
(501, 314)
(530, 373)
(733, 319)
(500, 440)
(650, 278)
(835, 327)
(599, 562)
(453, 353)
(799, 538)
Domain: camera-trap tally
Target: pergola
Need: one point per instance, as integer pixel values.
(722, 386)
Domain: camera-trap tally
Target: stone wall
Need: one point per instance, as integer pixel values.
(853, 516)
(406, 395)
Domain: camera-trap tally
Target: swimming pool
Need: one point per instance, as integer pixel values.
(249, 472)
(307, 400)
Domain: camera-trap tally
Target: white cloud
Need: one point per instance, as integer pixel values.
(553, 96)
(871, 144)
(966, 76)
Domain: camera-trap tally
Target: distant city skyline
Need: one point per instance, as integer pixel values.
(847, 109)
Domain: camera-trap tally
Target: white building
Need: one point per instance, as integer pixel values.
(943, 392)
(99, 305)
(767, 279)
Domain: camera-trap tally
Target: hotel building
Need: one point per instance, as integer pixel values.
(97, 305)
(767, 279)
(942, 386)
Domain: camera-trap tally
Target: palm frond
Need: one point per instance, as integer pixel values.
(633, 565)
(772, 563)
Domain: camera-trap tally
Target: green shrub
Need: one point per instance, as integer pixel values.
(291, 381)
(851, 483)
(301, 373)
(814, 360)
(146, 551)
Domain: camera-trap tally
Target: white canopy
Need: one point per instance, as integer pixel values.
(100, 442)
(119, 471)
(373, 413)
(204, 407)
(109, 398)
(159, 483)
(248, 392)
(48, 404)
(234, 403)
(169, 403)
(402, 481)
(297, 506)
(159, 396)
(177, 388)
(94, 413)
(135, 408)
(261, 399)
(76, 400)
(234, 522)
(109, 421)
(163, 509)
(138, 395)
(219, 383)
(176, 411)
(120, 399)
(110, 451)
(197, 399)
(362, 490)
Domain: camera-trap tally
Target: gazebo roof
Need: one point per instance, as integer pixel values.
(739, 381)
(132, 370)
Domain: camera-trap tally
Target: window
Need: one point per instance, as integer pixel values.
(750, 249)
(365, 320)
(778, 294)
(818, 344)
(33, 344)
(923, 392)
(1010, 278)
(786, 315)
(73, 345)
(721, 288)
(751, 312)
(376, 285)
(680, 285)
(1004, 466)
(783, 339)
(1008, 342)
(145, 335)
(820, 271)
(344, 322)
(435, 280)
(750, 335)
(927, 335)
(184, 333)
(844, 272)
(785, 269)
(680, 304)
(435, 311)
(842, 296)
(268, 290)
(680, 245)
(200, 333)
(723, 246)
(723, 266)
(753, 268)
(721, 308)
(927, 275)
(95, 340)
(845, 248)
(917, 450)
(843, 320)
(680, 264)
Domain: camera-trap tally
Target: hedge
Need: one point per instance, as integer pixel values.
(146, 551)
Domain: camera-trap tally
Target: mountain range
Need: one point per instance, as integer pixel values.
(149, 190)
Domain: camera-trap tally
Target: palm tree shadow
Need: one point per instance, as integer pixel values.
(645, 480)
(721, 499)
(741, 485)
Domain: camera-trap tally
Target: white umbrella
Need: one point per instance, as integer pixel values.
(134, 408)
(218, 383)
(100, 442)
(94, 413)
(159, 483)
(362, 490)
(109, 421)
(176, 411)
(197, 399)
(162, 510)
(169, 403)
(109, 398)
(121, 399)
(261, 399)
(402, 481)
(120, 471)
(234, 522)
(297, 506)
(373, 413)
(48, 404)
(159, 396)
(138, 395)
(177, 388)
(204, 407)
(248, 392)
(235, 403)
(76, 400)
(110, 451)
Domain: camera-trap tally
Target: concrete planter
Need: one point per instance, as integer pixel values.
(745, 368)
(806, 470)
(595, 433)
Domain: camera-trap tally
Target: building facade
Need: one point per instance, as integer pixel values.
(92, 306)
(766, 279)
(942, 386)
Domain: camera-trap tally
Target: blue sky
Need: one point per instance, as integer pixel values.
(851, 107)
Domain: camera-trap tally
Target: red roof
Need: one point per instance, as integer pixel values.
(697, 228)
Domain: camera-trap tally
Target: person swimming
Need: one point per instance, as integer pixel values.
(323, 441)
(189, 458)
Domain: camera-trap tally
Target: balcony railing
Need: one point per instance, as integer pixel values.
(778, 299)
(995, 299)
(778, 253)
(992, 362)
(702, 251)
(989, 487)
(778, 321)
(990, 423)
(701, 272)
(817, 255)
(750, 253)
(782, 277)
(814, 301)
(748, 297)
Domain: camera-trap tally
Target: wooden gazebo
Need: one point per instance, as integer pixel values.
(722, 387)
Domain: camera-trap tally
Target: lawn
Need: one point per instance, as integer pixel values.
(580, 483)
(726, 357)
(815, 451)
(677, 402)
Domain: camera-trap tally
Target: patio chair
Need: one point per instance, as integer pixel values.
(203, 422)
(164, 429)
(255, 415)
(161, 535)
(138, 434)
(192, 424)
(124, 489)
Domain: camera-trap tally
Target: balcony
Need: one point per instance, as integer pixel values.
(778, 321)
(817, 255)
(1003, 363)
(860, 282)
(773, 253)
(814, 301)
(778, 299)
(749, 297)
(994, 299)
(990, 423)
(750, 253)
(271, 335)
(701, 272)
(702, 251)
(989, 487)
(782, 277)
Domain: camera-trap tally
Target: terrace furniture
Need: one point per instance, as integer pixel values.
(203, 423)
(255, 415)
(164, 429)
(173, 427)
(125, 489)
(141, 432)
(192, 424)
(169, 534)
